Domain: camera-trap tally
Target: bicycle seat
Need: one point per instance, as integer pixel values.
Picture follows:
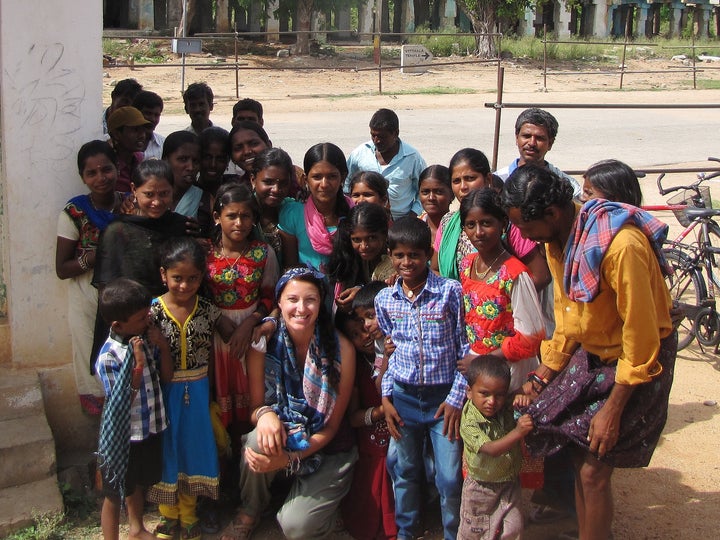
(696, 213)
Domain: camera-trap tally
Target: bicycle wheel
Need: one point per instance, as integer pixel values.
(687, 290)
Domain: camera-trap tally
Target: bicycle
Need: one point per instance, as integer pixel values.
(695, 274)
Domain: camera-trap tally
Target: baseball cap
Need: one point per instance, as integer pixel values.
(126, 116)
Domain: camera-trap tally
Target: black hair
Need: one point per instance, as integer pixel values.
(94, 148)
(151, 167)
(126, 87)
(477, 161)
(250, 126)
(365, 297)
(374, 180)
(345, 265)
(147, 100)
(214, 134)
(273, 157)
(328, 336)
(487, 199)
(198, 90)
(121, 299)
(332, 154)
(385, 119)
(176, 139)
(438, 172)
(616, 180)
(234, 192)
(410, 231)
(537, 117)
(488, 365)
(248, 104)
(533, 190)
(183, 248)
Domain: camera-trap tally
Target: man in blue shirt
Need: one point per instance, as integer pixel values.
(397, 161)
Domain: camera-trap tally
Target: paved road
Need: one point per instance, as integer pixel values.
(639, 137)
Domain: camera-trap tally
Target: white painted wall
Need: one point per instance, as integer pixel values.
(51, 103)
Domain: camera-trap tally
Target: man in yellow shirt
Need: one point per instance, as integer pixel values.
(603, 386)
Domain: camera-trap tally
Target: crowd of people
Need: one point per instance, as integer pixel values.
(334, 336)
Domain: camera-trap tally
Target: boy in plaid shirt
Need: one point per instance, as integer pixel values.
(423, 393)
(129, 450)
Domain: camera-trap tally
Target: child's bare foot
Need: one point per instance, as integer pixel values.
(240, 528)
(143, 534)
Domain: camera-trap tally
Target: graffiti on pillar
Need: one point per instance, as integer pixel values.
(45, 97)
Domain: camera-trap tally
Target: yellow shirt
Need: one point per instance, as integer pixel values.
(627, 319)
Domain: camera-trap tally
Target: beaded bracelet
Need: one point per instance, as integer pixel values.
(368, 416)
(262, 410)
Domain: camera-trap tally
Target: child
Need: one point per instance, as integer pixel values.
(371, 487)
(491, 491)
(359, 252)
(241, 273)
(130, 447)
(502, 311)
(198, 99)
(182, 151)
(190, 461)
(79, 226)
(435, 194)
(372, 187)
(151, 106)
(247, 110)
(364, 308)
(214, 160)
(127, 128)
(422, 391)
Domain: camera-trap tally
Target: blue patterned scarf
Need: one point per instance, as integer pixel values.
(596, 225)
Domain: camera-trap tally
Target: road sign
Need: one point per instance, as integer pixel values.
(413, 55)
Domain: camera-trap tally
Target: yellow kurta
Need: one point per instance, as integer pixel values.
(625, 321)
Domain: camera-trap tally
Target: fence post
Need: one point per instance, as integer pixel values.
(544, 57)
(628, 20)
(498, 115)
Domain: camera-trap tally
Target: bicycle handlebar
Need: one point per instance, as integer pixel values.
(702, 177)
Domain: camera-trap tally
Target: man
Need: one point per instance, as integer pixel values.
(121, 96)
(151, 107)
(247, 110)
(396, 160)
(198, 99)
(535, 132)
(127, 127)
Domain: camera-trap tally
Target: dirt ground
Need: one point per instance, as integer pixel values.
(677, 496)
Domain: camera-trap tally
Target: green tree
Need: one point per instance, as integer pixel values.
(484, 16)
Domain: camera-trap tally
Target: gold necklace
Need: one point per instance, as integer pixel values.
(224, 254)
(410, 291)
(482, 276)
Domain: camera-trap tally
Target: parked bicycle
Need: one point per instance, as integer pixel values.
(694, 260)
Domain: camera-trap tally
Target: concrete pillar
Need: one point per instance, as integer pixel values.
(448, 12)
(342, 22)
(271, 23)
(222, 17)
(408, 16)
(527, 24)
(146, 15)
(133, 13)
(254, 19)
(702, 16)
(600, 19)
(641, 21)
(50, 104)
(562, 19)
(365, 21)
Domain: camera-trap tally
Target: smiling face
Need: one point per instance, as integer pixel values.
(367, 316)
(488, 394)
(130, 138)
(99, 174)
(299, 305)
(213, 162)
(359, 336)
(198, 109)
(435, 197)
(465, 179)
(154, 197)
(244, 146)
(236, 221)
(361, 192)
(484, 230)
(183, 279)
(271, 185)
(410, 263)
(185, 164)
(324, 181)
(369, 245)
(533, 143)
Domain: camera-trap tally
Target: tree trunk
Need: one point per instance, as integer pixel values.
(484, 21)
(304, 14)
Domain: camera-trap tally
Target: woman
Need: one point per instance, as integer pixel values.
(603, 386)
(79, 226)
(308, 229)
(299, 391)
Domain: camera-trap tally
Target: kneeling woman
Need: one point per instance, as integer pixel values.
(299, 391)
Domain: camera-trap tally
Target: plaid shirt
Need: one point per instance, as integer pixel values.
(147, 411)
(429, 335)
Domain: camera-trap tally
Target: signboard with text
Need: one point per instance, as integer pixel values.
(413, 57)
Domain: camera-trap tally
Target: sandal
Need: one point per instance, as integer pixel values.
(167, 529)
(237, 530)
(191, 532)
